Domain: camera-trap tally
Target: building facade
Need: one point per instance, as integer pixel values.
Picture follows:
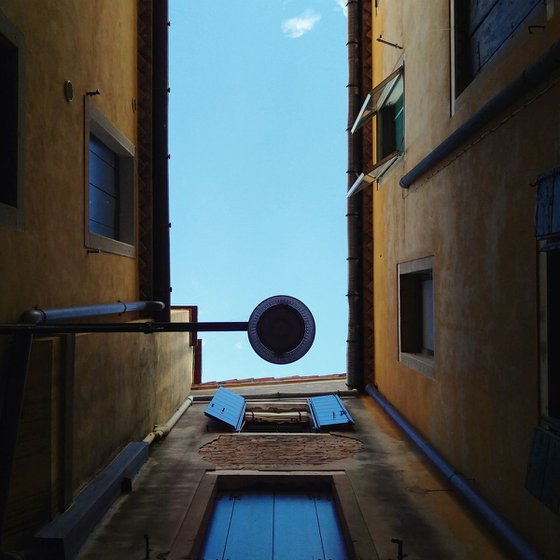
(461, 263)
(83, 226)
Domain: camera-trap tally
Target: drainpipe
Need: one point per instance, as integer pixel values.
(161, 430)
(160, 158)
(496, 522)
(354, 363)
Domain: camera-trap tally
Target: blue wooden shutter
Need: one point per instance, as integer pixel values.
(103, 189)
(274, 525)
(543, 471)
(227, 407)
(547, 207)
(491, 23)
(328, 412)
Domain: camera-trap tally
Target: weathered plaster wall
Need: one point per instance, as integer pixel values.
(93, 44)
(86, 399)
(82, 404)
(397, 495)
(136, 381)
(475, 216)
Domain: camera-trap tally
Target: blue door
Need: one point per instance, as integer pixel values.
(278, 525)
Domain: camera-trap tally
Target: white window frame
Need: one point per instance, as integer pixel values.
(373, 104)
(421, 362)
(100, 126)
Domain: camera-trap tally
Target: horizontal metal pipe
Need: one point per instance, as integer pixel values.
(458, 481)
(147, 328)
(38, 316)
(525, 82)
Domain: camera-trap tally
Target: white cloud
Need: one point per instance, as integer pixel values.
(300, 25)
(342, 6)
(239, 345)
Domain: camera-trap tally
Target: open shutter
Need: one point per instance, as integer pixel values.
(227, 407)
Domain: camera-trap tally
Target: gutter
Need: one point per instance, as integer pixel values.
(525, 82)
(480, 506)
(354, 363)
(160, 158)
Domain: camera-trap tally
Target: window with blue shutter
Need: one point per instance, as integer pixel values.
(544, 459)
(110, 186)
(227, 407)
(275, 525)
(481, 27)
(103, 189)
(547, 207)
(328, 411)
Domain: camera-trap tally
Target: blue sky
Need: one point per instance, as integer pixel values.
(258, 171)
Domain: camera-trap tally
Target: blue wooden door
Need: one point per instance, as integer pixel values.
(280, 525)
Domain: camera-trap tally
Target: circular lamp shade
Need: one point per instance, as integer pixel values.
(281, 329)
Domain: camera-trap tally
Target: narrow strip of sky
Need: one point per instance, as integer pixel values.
(257, 171)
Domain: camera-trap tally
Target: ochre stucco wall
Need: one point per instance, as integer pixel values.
(85, 400)
(136, 382)
(475, 216)
(93, 44)
(120, 385)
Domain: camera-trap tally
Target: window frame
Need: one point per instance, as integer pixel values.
(547, 233)
(12, 216)
(272, 521)
(98, 125)
(375, 105)
(416, 272)
(463, 71)
(190, 535)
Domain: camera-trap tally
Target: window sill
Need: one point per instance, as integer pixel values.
(11, 217)
(397, 164)
(419, 362)
(107, 245)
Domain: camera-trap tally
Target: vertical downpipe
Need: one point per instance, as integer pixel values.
(354, 357)
(161, 225)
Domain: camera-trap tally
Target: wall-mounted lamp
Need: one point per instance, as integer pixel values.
(281, 329)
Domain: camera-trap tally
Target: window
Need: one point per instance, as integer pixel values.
(416, 314)
(480, 30)
(11, 130)
(297, 415)
(336, 488)
(544, 458)
(390, 122)
(281, 524)
(385, 102)
(552, 309)
(547, 231)
(110, 186)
